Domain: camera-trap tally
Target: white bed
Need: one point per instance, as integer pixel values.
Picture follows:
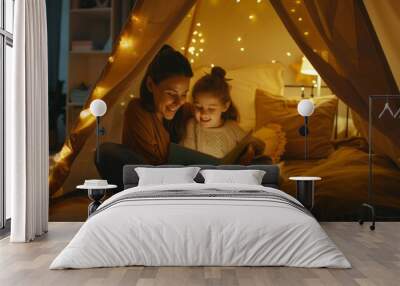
(144, 226)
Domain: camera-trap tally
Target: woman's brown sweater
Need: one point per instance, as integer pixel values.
(145, 134)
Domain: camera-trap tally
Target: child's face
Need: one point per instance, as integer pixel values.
(208, 110)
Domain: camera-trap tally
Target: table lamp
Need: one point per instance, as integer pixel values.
(308, 69)
(305, 108)
(98, 108)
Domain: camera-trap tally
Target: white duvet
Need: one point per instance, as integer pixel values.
(192, 231)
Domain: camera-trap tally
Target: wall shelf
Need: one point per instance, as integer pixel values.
(89, 53)
(92, 11)
(99, 26)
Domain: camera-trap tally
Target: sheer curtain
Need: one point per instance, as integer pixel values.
(27, 124)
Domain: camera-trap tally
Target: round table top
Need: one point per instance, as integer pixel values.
(305, 178)
(88, 187)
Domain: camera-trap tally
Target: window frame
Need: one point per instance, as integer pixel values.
(6, 39)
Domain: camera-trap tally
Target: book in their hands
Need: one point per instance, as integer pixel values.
(181, 155)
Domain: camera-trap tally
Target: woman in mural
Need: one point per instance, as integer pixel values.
(214, 130)
(155, 119)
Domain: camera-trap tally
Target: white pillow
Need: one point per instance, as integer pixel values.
(166, 176)
(248, 177)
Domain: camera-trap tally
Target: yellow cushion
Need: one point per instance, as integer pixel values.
(275, 140)
(283, 111)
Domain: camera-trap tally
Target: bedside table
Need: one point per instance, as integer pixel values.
(305, 190)
(96, 194)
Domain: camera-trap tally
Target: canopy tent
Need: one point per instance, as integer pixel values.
(233, 34)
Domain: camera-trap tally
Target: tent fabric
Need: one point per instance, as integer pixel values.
(149, 27)
(220, 48)
(340, 42)
(385, 16)
(339, 31)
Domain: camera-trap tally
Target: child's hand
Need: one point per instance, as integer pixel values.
(248, 155)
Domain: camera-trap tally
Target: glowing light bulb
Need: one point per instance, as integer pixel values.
(202, 40)
(201, 50)
(237, 1)
(212, 65)
(122, 103)
(239, 39)
(298, 2)
(197, 54)
(192, 61)
(198, 24)
(135, 18)
(195, 33)
(300, 19)
(182, 48)
(288, 54)
(111, 59)
(99, 91)
(84, 114)
(252, 17)
(273, 61)
(258, 1)
(194, 41)
(242, 49)
(126, 43)
(200, 35)
(306, 33)
(191, 49)
(131, 95)
(292, 10)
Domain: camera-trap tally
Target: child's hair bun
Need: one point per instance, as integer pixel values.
(218, 72)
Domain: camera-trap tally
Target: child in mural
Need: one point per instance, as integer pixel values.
(153, 120)
(214, 130)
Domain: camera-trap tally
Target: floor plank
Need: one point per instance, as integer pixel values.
(375, 256)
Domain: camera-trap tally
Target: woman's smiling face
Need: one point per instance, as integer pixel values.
(169, 95)
(208, 110)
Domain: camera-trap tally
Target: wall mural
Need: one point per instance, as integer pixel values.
(191, 88)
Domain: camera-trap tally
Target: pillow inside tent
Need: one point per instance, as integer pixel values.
(281, 110)
(244, 82)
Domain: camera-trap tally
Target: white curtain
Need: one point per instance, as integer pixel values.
(27, 124)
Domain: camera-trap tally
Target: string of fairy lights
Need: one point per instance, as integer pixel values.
(196, 48)
(195, 51)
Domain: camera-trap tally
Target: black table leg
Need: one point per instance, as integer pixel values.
(305, 193)
(372, 211)
(96, 195)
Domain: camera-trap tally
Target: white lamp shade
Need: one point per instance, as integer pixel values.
(305, 107)
(307, 68)
(98, 107)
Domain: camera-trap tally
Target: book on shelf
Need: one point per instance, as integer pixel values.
(81, 46)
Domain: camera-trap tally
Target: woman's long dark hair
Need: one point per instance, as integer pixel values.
(167, 63)
(217, 84)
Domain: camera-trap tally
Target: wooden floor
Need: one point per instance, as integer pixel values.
(375, 257)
